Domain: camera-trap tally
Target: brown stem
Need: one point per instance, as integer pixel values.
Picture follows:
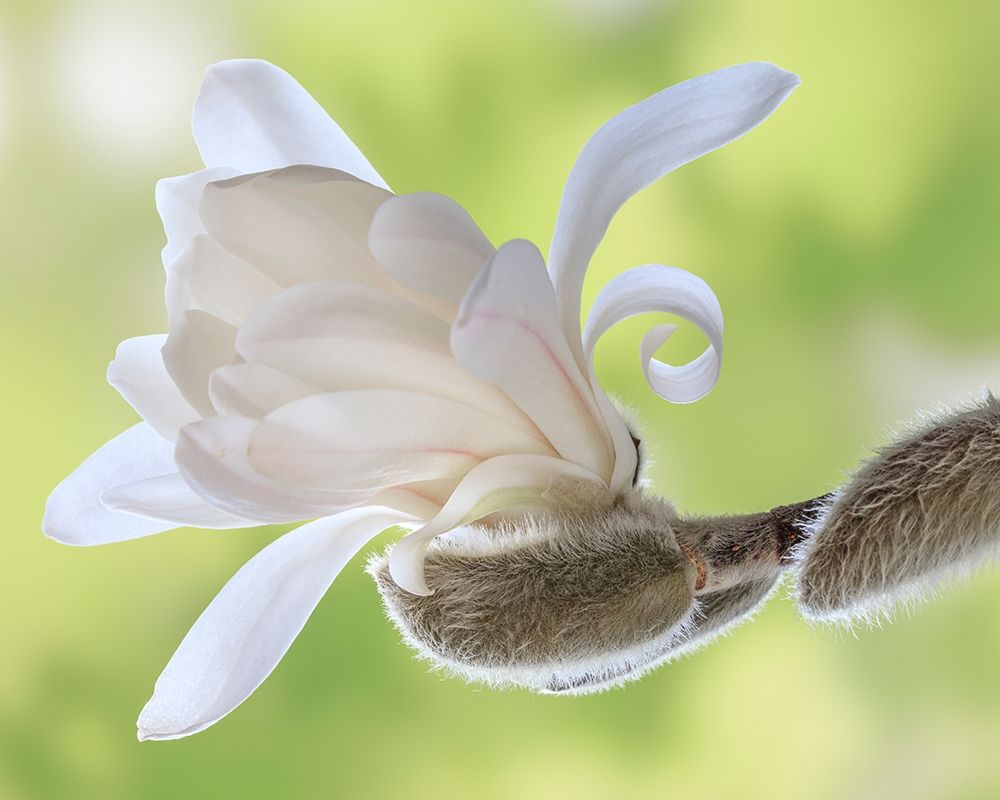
(728, 550)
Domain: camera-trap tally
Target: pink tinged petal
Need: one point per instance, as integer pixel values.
(74, 513)
(169, 498)
(212, 456)
(429, 243)
(642, 144)
(198, 344)
(254, 390)
(503, 482)
(206, 277)
(341, 336)
(177, 202)
(246, 630)
(298, 224)
(252, 116)
(364, 440)
(139, 375)
(654, 288)
(507, 332)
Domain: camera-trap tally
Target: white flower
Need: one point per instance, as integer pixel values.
(363, 360)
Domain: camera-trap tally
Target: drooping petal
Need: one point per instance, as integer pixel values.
(198, 343)
(298, 224)
(74, 513)
(212, 456)
(254, 390)
(508, 333)
(674, 291)
(429, 243)
(206, 277)
(339, 336)
(642, 144)
(373, 439)
(139, 375)
(252, 116)
(246, 630)
(169, 498)
(504, 482)
(177, 202)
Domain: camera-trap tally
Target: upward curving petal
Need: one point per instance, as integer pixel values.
(642, 144)
(504, 482)
(198, 343)
(74, 513)
(177, 202)
(246, 630)
(252, 116)
(507, 332)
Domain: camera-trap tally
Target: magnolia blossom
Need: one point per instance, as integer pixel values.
(362, 360)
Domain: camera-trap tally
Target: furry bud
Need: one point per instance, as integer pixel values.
(922, 510)
(549, 602)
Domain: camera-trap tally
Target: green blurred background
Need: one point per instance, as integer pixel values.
(853, 241)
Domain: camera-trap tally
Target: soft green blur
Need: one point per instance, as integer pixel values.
(853, 241)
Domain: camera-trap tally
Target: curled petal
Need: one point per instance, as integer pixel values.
(373, 439)
(246, 630)
(642, 144)
(674, 291)
(208, 278)
(139, 375)
(252, 116)
(198, 343)
(507, 332)
(169, 498)
(504, 482)
(74, 513)
(212, 456)
(429, 243)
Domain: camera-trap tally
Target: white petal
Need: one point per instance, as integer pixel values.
(429, 243)
(298, 224)
(501, 483)
(209, 278)
(644, 143)
(372, 439)
(254, 390)
(252, 116)
(139, 375)
(338, 336)
(507, 332)
(198, 344)
(169, 498)
(177, 202)
(74, 513)
(213, 459)
(243, 634)
(665, 289)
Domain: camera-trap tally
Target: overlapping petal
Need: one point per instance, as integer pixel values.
(429, 243)
(74, 513)
(140, 376)
(246, 630)
(170, 499)
(251, 115)
(198, 343)
(507, 332)
(642, 144)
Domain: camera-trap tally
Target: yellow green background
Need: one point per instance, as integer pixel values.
(853, 241)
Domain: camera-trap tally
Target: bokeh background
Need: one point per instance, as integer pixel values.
(854, 243)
